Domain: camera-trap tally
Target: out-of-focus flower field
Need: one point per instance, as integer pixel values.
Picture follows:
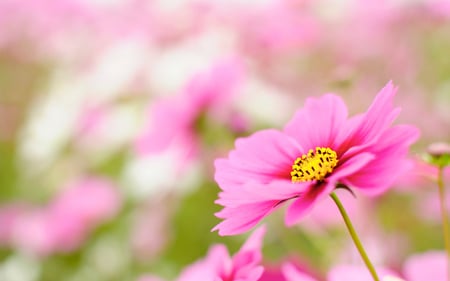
(112, 114)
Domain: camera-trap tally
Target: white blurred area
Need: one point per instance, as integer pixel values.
(19, 267)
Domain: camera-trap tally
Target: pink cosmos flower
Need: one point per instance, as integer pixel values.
(66, 222)
(174, 121)
(431, 266)
(219, 266)
(318, 149)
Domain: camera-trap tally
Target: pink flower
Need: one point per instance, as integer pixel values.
(65, 223)
(82, 206)
(291, 269)
(175, 121)
(90, 200)
(431, 266)
(219, 266)
(318, 149)
(291, 273)
(421, 174)
(358, 273)
(274, 26)
(9, 216)
(151, 229)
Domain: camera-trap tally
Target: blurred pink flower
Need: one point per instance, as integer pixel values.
(66, 222)
(362, 16)
(90, 200)
(440, 8)
(287, 272)
(429, 206)
(420, 175)
(430, 266)
(91, 119)
(175, 121)
(47, 234)
(219, 266)
(319, 148)
(276, 26)
(9, 216)
(291, 273)
(151, 228)
(422, 179)
(358, 273)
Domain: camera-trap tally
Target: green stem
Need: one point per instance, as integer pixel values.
(444, 217)
(355, 237)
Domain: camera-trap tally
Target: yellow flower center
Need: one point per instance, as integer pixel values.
(315, 165)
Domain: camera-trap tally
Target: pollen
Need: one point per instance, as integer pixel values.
(315, 165)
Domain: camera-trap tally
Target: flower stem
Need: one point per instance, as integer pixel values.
(444, 217)
(355, 237)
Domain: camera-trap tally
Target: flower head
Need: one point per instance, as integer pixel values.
(176, 120)
(303, 163)
(219, 266)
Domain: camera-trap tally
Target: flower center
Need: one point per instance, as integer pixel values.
(315, 165)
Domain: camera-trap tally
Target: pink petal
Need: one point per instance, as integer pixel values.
(240, 219)
(302, 205)
(319, 122)
(254, 242)
(244, 265)
(168, 121)
(262, 157)
(351, 166)
(369, 126)
(218, 257)
(389, 163)
(246, 205)
(252, 274)
(291, 273)
(208, 268)
(246, 261)
(254, 192)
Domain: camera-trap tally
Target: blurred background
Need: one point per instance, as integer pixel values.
(112, 113)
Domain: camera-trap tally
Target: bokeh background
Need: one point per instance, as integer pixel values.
(112, 113)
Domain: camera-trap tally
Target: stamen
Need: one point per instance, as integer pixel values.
(315, 165)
